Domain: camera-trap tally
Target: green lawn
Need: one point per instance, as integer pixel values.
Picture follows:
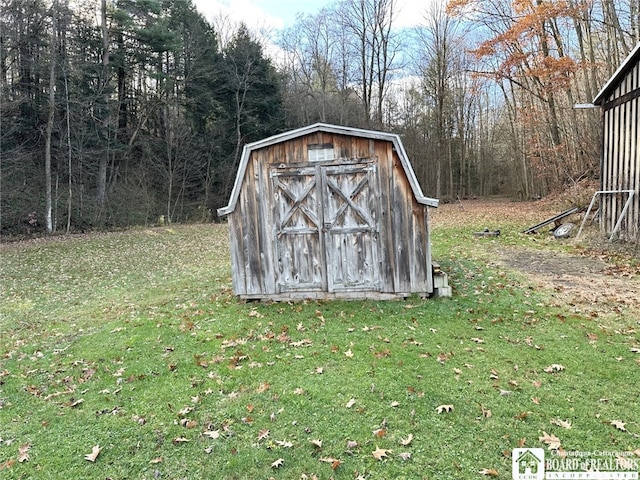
(134, 342)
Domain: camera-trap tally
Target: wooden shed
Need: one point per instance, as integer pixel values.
(327, 211)
(620, 162)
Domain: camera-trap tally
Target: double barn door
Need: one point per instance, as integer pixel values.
(326, 227)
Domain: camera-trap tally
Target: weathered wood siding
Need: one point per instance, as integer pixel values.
(621, 153)
(346, 227)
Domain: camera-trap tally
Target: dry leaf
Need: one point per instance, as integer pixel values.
(156, 460)
(262, 434)
(491, 472)
(185, 411)
(351, 403)
(405, 456)
(406, 441)
(351, 444)
(278, 463)
(299, 391)
(554, 368)
(380, 453)
(179, 440)
(619, 424)
(23, 453)
(284, 444)
(551, 441)
(95, 451)
(335, 463)
(561, 423)
(185, 422)
(348, 353)
(379, 432)
(522, 415)
(395, 404)
(8, 464)
(316, 443)
(262, 388)
(444, 408)
(212, 434)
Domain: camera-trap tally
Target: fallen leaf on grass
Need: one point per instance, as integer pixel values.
(156, 460)
(380, 453)
(379, 432)
(551, 441)
(444, 408)
(186, 423)
(185, 411)
(95, 451)
(351, 403)
(335, 463)
(351, 444)
(405, 456)
(8, 464)
(486, 413)
(262, 388)
(23, 453)
(278, 463)
(179, 440)
(316, 443)
(262, 434)
(348, 353)
(554, 367)
(406, 441)
(491, 472)
(561, 423)
(619, 424)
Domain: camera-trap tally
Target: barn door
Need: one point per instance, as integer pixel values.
(326, 227)
(300, 262)
(350, 226)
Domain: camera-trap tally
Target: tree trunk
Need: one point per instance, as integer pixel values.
(101, 194)
(50, 118)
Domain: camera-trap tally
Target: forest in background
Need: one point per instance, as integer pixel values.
(134, 112)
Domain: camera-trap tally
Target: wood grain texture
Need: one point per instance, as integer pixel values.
(347, 227)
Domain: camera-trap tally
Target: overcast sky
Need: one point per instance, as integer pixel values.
(277, 14)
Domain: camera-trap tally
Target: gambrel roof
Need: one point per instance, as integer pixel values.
(618, 75)
(323, 127)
